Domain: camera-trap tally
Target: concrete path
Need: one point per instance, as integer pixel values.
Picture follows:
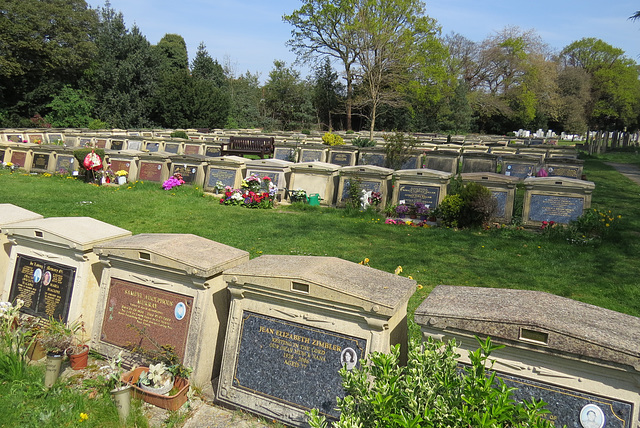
(628, 170)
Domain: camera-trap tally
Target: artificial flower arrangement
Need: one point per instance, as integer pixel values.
(251, 195)
(122, 173)
(375, 199)
(298, 195)
(8, 165)
(174, 181)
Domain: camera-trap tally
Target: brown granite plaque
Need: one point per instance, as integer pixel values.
(40, 161)
(151, 171)
(101, 143)
(18, 158)
(36, 138)
(120, 165)
(44, 287)
(192, 149)
(163, 315)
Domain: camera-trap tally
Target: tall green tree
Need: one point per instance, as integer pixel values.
(286, 97)
(70, 108)
(247, 103)
(615, 89)
(325, 28)
(123, 76)
(172, 51)
(44, 45)
(327, 92)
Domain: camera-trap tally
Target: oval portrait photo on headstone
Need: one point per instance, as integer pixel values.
(348, 358)
(591, 416)
(180, 311)
(37, 275)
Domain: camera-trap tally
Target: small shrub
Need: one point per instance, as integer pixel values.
(306, 132)
(179, 134)
(332, 139)
(363, 142)
(397, 149)
(479, 205)
(354, 193)
(98, 124)
(448, 212)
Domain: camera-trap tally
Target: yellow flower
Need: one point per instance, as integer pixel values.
(420, 287)
(398, 270)
(366, 260)
(410, 277)
(606, 225)
(83, 417)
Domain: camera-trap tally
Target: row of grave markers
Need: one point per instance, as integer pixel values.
(270, 334)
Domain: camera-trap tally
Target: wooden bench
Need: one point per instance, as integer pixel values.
(240, 146)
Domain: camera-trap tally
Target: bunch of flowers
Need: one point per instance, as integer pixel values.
(248, 198)
(375, 198)
(421, 209)
(122, 173)
(172, 182)
(219, 187)
(402, 209)
(252, 183)
(9, 166)
(298, 195)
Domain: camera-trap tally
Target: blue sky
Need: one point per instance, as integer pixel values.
(250, 34)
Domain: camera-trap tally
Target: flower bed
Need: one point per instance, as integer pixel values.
(255, 193)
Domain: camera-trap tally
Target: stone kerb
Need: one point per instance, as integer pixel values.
(294, 321)
(556, 199)
(372, 179)
(503, 189)
(229, 170)
(316, 177)
(572, 355)
(53, 268)
(170, 286)
(425, 186)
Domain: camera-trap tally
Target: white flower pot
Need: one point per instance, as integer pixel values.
(122, 179)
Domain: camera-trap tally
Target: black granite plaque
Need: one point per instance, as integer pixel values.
(284, 153)
(440, 163)
(341, 158)
(414, 193)
(367, 186)
(153, 147)
(559, 209)
(116, 144)
(376, 159)
(226, 176)
(292, 363)
(565, 404)
(65, 164)
(501, 199)
(40, 161)
(45, 287)
(212, 151)
(563, 171)
(171, 148)
(308, 155)
(2, 152)
(411, 163)
(188, 172)
(520, 170)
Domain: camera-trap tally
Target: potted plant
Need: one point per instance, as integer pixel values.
(120, 390)
(158, 379)
(122, 176)
(422, 210)
(402, 210)
(298, 195)
(78, 352)
(55, 338)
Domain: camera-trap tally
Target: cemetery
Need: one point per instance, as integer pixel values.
(181, 289)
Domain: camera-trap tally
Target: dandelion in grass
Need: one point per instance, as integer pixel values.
(398, 270)
(83, 417)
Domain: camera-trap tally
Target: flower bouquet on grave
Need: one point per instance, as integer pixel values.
(298, 195)
(219, 187)
(158, 379)
(174, 181)
(402, 210)
(375, 199)
(421, 210)
(251, 183)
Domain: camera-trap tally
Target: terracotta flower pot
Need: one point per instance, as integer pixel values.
(79, 361)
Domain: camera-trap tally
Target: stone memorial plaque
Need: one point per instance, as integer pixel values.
(18, 158)
(86, 142)
(65, 164)
(164, 316)
(559, 209)
(55, 137)
(40, 161)
(564, 171)
(376, 159)
(284, 153)
(226, 176)
(411, 163)
(274, 176)
(15, 138)
(519, 170)
(36, 138)
(192, 149)
(212, 151)
(342, 159)
(171, 148)
(566, 405)
(273, 353)
(134, 145)
(311, 156)
(116, 144)
(151, 171)
(367, 186)
(414, 193)
(153, 147)
(501, 199)
(101, 143)
(147, 134)
(188, 172)
(120, 165)
(44, 286)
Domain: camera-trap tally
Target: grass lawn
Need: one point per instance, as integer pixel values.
(604, 274)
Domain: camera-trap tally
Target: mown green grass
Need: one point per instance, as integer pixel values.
(604, 274)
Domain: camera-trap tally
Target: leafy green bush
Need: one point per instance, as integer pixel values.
(448, 211)
(591, 227)
(306, 132)
(430, 392)
(397, 149)
(354, 193)
(98, 124)
(332, 139)
(363, 142)
(479, 205)
(179, 134)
